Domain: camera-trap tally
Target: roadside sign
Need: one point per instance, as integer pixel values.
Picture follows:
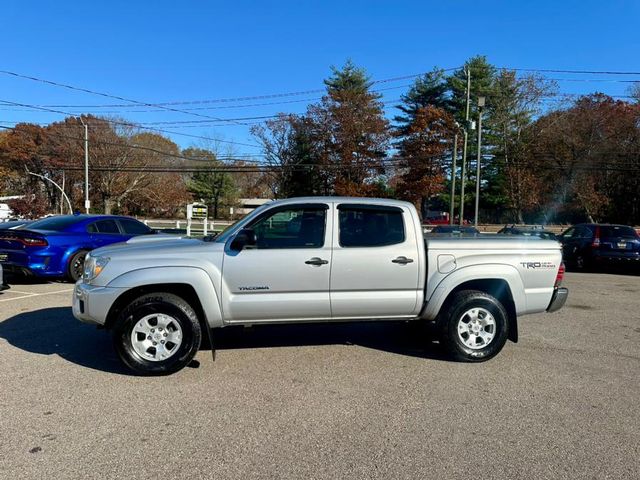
(197, 210)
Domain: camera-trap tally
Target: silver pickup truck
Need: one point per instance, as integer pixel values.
(315, 260)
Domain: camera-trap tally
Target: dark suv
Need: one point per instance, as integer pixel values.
(590, 245)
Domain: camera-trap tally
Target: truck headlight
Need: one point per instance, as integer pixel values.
(93, 266)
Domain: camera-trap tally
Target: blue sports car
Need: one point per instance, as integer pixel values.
(55, 247)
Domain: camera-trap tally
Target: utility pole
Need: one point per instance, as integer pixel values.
(453, 177)
(480, 107)
(464, 147)
(57, 186)
(87, 203)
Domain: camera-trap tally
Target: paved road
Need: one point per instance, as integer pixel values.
(326, 401)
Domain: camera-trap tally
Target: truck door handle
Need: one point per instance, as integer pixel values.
(402, 260)
(316, 261)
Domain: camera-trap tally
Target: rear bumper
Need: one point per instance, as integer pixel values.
(617, 257)
(558, 299)
(13, 269)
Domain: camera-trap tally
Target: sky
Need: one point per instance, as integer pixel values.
(177, 51)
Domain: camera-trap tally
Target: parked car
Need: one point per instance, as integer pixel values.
(592, 245)
(55, 247)
(528, 232)
(454, 230)
(316, 259)
(3, 283)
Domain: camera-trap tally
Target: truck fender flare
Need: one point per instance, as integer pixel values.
(195, 277)
(508, 273)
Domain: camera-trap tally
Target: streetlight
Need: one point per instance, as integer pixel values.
(87, 203)
(454, 174)
(464, 146)
(480, 107)
(57, 186)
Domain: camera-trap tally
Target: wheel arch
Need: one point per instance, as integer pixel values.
(69, 252)
(504, 283)
(191, 284)
(182, 290)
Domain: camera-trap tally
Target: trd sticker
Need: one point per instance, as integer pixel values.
(536, 265)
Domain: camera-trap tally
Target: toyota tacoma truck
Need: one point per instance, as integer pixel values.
(318, 259)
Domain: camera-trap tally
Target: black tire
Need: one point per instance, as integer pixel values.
(75, 268)
(455, 309)
(583, 263)
(144, 307)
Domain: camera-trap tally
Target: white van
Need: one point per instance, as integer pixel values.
(5, 212)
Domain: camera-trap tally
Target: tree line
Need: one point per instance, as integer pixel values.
(541, 161)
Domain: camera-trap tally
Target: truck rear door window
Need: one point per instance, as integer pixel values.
(370, 226)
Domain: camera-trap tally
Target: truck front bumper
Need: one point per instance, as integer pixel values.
(91, 304)
(558, 299)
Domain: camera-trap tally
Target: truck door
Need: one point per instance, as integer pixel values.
(375, 265)
(285, 276)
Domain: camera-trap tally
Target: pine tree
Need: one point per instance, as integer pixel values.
(359, 133)
(430, 89)
(214, 188)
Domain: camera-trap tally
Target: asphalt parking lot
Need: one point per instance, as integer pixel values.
(326, 401)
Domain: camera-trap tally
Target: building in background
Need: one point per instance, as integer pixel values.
(248, 205)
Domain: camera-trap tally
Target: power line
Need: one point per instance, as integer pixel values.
(196, 102)
(129, 124)
(102, 94)
(201, 108)
(137, 147)
(248, 166)
(580, 72)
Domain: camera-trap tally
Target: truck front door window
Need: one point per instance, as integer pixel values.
(292, 228)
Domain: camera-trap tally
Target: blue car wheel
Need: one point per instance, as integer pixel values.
(76, 266)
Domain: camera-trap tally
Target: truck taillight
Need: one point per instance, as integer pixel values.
(560, 275)
(596, 239)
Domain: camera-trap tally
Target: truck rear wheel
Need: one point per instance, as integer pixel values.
(157, 334)
(475, 326)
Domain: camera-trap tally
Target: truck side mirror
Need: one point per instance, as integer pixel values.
(245, 238)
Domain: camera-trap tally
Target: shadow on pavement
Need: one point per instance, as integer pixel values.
(403, 338)
(54, 331)
(627, 270)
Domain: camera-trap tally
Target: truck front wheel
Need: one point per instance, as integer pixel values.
(475, 326)
(157, 334)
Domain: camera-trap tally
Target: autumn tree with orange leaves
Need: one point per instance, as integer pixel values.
(421, 156)
(588, 157)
